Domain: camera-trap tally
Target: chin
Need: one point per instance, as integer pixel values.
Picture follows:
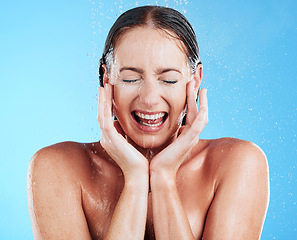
(152, 142)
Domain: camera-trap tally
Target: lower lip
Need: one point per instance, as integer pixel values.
(148, 129)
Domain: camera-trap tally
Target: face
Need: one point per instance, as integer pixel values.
(149, 76)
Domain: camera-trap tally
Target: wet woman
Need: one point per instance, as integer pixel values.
(150, 176)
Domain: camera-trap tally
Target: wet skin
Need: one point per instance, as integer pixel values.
(93, 182)
(196, 182)
(210, 188)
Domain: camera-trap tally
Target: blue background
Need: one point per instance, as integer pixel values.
(49, 52)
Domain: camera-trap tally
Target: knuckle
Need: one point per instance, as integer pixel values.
(107, 130)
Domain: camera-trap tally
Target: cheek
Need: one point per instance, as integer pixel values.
(176, 97)
(123, 95)
(123, 91)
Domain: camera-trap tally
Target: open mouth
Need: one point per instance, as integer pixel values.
(150, 120)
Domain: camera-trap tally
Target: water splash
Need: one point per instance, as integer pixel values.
(181, 116)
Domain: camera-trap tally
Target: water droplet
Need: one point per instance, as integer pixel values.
(151, 153)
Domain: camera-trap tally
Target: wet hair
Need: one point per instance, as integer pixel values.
(163, 18)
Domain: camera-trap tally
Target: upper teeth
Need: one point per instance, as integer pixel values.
(150, 116)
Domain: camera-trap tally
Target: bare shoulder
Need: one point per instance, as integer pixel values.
(231, 154)
(56, 152)
(55, 176)
(234, 145)
(55, 170)
(65, 157)
(69, 163)
(241, 189)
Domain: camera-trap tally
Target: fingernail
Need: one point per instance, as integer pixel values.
(107, 86)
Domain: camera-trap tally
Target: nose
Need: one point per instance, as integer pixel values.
(149, 93)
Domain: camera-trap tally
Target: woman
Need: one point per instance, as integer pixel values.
(150, 176)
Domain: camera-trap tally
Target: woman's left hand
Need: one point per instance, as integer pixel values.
(169, 160)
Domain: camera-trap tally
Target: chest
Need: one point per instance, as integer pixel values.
(100, 199)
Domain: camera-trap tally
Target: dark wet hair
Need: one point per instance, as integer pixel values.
(162, 18)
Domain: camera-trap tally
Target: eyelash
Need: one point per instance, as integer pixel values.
(134, 80)
(170, 82)
(130, 81)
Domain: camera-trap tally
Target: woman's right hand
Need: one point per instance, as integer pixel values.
(129, 159)
(129, 216)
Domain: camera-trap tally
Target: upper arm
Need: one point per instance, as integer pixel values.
(54, 198)
(239, 207)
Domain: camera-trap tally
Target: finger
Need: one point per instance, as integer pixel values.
(193, 131)
(203, 99)
(100, 113)
(192, 110)
(108, 101)
(202, 117)
(108, 121)
(119, 128)
(174, 154)
(104, 110)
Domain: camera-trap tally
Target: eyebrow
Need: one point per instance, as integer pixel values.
(132, 69)
(165, 70)
(159, 71)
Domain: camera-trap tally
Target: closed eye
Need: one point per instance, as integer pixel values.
(130, 81)
(170, 82)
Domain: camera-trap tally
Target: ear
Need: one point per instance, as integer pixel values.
(198, 77)
(105, 74)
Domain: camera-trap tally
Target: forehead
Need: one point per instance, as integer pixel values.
(148, 45)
